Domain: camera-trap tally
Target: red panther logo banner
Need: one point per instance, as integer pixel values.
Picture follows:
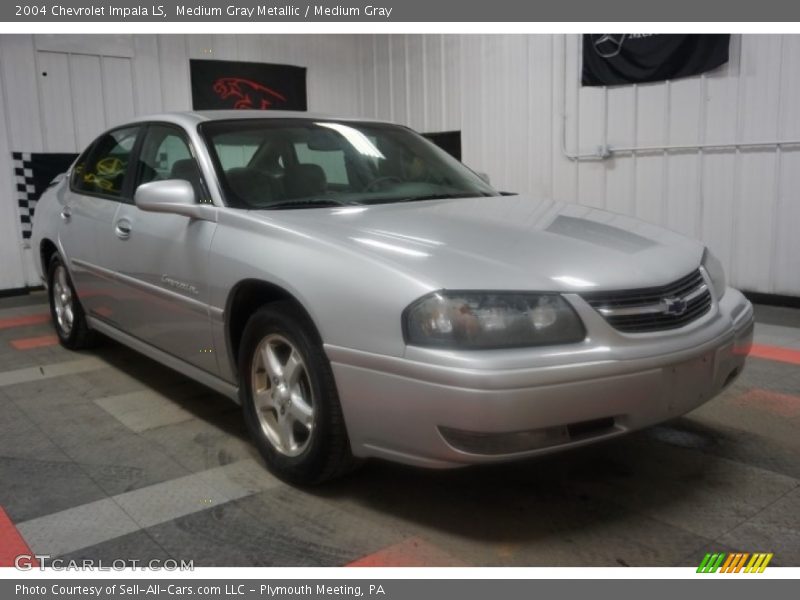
(226, 84)
(246, 94)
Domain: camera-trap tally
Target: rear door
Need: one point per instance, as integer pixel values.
(99, 180)
(162, 290)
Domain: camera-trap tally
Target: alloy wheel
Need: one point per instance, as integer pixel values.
(282, 395)
(63, 302)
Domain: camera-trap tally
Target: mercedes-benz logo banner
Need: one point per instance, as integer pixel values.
(619, 58)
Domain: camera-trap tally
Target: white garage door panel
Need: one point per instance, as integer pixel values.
(433, 82)
(757, 188)
(368, 89)
(174, 62)
(56, 100)
(11, 272)
(146, 75)
(88, 98)
(591, 174)
(17, 60)
(417, 81)
(683, 202)
(541, 129)
(105, 45)
(622, 126)
(117, 90)
(515, 120)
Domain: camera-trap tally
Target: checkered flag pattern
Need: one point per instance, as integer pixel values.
(26, 191)
(33, 174)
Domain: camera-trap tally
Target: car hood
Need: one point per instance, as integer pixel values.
(505, 242)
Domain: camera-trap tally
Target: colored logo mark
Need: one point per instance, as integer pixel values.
(735, 562)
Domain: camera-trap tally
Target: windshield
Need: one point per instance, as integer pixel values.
(299, 163)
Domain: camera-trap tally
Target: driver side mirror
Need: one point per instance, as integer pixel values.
(485, 178)
(174, 196)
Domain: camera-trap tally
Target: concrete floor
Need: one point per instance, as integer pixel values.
(107, 455)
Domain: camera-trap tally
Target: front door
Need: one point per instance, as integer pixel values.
(161, 259)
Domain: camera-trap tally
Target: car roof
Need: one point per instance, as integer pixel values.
(190, 119)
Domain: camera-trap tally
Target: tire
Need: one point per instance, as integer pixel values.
(288, 393)
(66, 311)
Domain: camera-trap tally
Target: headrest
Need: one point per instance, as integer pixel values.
(305, 179)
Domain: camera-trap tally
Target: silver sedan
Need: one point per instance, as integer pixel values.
(363, 294)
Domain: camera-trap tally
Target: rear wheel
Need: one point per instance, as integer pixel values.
(65, 309)
(289, 397)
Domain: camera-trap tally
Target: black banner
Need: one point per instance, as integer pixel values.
(618, 58)
(33, 173)
(449, 141)
(221, 84)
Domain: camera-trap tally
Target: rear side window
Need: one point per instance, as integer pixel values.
(332, 162)
(103, 168)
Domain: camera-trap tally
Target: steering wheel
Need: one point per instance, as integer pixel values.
(109, 166)
(380, 180)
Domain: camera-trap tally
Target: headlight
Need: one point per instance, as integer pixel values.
(715, 272)
(483, 320)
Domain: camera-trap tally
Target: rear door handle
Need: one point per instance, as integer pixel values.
(66, 213)
(122, 229)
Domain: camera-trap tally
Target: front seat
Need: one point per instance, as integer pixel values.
(186, 169)
(305, 180)
(253, 188)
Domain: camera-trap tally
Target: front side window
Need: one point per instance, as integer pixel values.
(300, 163)
(166, 154)
(103, 168)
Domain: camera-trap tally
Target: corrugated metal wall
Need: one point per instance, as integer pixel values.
(96, 81)
(510, 94)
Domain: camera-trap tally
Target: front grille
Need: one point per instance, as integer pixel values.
(654, 309)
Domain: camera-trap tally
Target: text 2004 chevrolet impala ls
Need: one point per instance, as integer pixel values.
(363, 294)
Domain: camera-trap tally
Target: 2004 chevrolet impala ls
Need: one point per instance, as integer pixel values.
(362, 293)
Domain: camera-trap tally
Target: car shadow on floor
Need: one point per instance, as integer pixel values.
(616, 490)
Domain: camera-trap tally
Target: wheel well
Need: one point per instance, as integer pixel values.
(46, 251)
(245, 299)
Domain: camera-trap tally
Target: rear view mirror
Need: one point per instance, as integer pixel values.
(175, 196)
(324, 141)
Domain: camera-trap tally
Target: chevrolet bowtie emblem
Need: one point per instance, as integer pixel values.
(675, 306)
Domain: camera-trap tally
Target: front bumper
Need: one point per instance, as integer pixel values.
(445, 409)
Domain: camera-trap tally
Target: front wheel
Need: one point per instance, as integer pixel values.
(289, 397)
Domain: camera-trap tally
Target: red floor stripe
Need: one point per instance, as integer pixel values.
(413, 552)
(11, 542)
(784, 405)
(34, 342)
(26, 320)
(786, 355)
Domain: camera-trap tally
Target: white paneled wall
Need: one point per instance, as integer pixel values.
(94, 82)
(512, 96)
(516, 99)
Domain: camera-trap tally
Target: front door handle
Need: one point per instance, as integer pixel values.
(66, 213)
(122, 229)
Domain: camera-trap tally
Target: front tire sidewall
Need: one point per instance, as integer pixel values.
(309, 467)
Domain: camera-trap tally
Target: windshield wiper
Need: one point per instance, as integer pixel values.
(305, 203)
(427, 197)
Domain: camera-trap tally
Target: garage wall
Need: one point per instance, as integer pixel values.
(96, 81)
(513, 96)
